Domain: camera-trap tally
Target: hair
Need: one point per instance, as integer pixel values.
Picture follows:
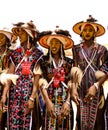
(8, 42)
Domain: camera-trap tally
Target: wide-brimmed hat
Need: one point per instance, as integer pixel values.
(7, 34)
(29, 27)
(62, 35)
(78, 27)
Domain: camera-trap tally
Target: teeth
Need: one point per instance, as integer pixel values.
(54, 49)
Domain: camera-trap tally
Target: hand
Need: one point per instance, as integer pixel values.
(65, 110)
(90, 93)
(29, 107)
(3, 107)
(74, 95)
(51, 109)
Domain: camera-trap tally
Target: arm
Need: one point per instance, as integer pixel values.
(49, 105)
(30, 103)
(6, 86)
(95, 87)
(76, 78)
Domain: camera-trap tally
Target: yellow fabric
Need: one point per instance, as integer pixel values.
(37, 70)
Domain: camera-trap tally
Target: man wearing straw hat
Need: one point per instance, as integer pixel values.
(88, 56)
(22, 101)
(57, 112)
(5, 38)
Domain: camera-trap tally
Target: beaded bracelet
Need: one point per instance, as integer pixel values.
(32, 99)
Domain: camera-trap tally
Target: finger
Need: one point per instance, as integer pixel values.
(77, 100)
(27, 111)
(88, 98)
(54, 114)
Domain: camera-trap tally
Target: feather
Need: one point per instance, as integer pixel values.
(4, 78)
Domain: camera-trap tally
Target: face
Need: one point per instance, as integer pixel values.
(2, 39)
(55, 46)
(23, 36)
(88, 32)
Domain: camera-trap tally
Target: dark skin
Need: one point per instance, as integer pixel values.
(90, 93)
(88, 34)
(55, 49)
(26, 46)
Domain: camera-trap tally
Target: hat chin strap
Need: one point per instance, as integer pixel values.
(28, 44)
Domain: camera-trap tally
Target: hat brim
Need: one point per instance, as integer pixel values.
(67, 44)
(16, 31)
(100, 29)
(7, 34)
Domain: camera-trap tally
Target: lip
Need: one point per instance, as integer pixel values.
(54, 49)
(87, 35)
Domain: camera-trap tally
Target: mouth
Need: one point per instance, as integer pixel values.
(87, 35)
(54, 49)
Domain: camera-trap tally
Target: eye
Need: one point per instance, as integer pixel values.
(85, 30)
(90, 30)
(2, 36)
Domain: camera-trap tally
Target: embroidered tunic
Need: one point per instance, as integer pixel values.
(20, 93)
(57, 93)
(89, 60)
(104, 68)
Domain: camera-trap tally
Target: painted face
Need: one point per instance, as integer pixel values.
(55, 46)
(2, 39)
(88, 32)
(23, 36)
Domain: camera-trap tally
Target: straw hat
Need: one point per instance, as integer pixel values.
(29, 27)
(61, 35)
(7, 34)
(78, 27)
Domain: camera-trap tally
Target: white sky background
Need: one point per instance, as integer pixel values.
(46, 14)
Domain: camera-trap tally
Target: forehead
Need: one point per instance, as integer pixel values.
(88, 26)
(55, 40)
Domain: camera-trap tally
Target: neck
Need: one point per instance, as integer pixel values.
(56, 57)
(88, 43)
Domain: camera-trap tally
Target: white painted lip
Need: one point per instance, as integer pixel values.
(54, 49)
